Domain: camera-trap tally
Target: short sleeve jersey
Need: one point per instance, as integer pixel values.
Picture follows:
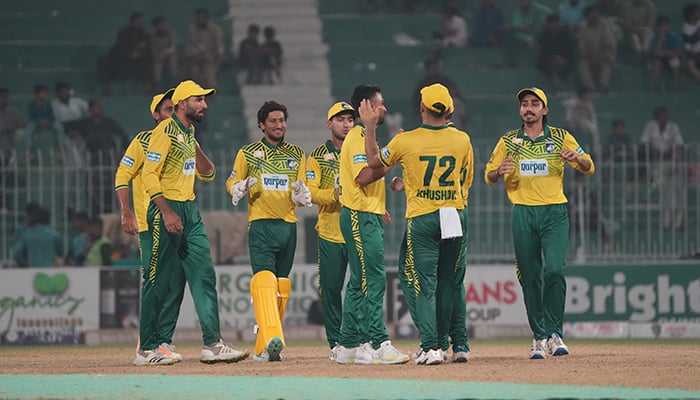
(539, 170)
(275, 168)
(433, 159)
(370, 198)
(322, 177)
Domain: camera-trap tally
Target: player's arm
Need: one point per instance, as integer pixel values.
(575, 156)
(158, 148)
(239, 171)
(498, 165)
(206, 171)
(321, 197)
(129, 166)
(370, 117)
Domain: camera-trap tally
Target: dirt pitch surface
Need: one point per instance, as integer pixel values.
(646, 364)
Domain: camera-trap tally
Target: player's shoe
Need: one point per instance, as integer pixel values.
(272, 351)
(460, 353)
(169, 350)
(222, 352)
(364, 354)
(430, 357)
(556, 346)
(334, 352)
(388, 354)
(344, 355)
(153, 357)
(538, 349)
(416, 354)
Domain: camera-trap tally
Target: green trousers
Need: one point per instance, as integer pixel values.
(189, 253)
(542, 231)
(271, 244)
(458, 320)
(332, 265)
(363, 309)
(428, 269)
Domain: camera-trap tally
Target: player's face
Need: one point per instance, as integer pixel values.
(532, 109)
(274, 127)
(340, 125)
(378, 103)
(195, 108)
(165, 111)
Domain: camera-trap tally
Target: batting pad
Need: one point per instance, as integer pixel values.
(263, 289)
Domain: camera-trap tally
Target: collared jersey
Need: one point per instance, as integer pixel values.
(468, 173)
(322, 177)
(433, 159)
(371, 198)
(129, 169)
(539, 170)
(275, 168)
(170, 164)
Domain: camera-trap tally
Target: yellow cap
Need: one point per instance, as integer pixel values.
(187, 89)
(437, 98)
(537, 92)
(340, 107)
(160, 97)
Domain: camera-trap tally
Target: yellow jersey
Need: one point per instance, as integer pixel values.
(433, 159)
(539, 170)
(130, 169)
(468, 173)
(170, 165)
(371, 198)
(322, 177)
(275, 168)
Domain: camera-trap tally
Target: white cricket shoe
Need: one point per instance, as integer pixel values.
(388, 354)
(430, 357)
(556, 346)
(153, 357)
(538, 349)
(344, 355)
(169, 350)
(222, 352)
(364, 354)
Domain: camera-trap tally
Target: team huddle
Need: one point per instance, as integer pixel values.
(344, 177)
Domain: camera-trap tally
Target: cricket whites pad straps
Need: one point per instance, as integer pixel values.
(284, 285)
(263, 289)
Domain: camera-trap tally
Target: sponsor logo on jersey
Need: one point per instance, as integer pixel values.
(337, 180)
(292, 163)
(359, 159)
(152, 156)
(276, 182)
(233, 174)
(128, 161)
(259, 153)
(549, 147)
(189, 166)
(580, 150)
(310, 175)
(385, 153)
(180, 138)
(534, 168)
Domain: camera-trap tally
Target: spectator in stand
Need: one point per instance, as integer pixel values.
(662, 143)
(204, 53)
(98, 247)
(555, 56)
(618, 148)
(614, 14)
(665, 53)
(488, 25)
(435, 74)
(691, 39)
(38, 245)
(67, 107)
(250, 56)
(163, 49)
(44, 137)
(40, 107)
(454, 31)
(521, 32)
(78, 240)
(12, 125)
(129, 58)
(639, 25)
(571, 14)
(271, 51)
(581, 118)
(597, 51)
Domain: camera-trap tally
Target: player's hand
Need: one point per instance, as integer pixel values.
(173, 223)
(240, 188)
(301, 195)
(397, 184)
(569, 155)
(386, 217)
(507, 166)
(129, 224)
(370, 115)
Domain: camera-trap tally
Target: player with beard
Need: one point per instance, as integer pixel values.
(177, 237)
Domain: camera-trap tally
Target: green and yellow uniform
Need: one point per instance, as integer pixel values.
(540, 219)
(434, 160)
(169, 170)
(129, 170)
(363, 231)
(271, 212)
(322, 178)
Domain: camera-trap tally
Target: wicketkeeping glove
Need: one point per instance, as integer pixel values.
(301, 195)
(240, 188)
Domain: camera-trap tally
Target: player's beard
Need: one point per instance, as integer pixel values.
(193, 115)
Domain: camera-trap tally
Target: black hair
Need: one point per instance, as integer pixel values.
(268, 107)
(157, 20)
(658, 110)
(135, 16)
(689, 10)
(93, 101)
(362, 92)
(269, 32)
(436, 114)
(618, 122)
(661, 20)
(40, 87)
(253, 28)
(62, 85)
